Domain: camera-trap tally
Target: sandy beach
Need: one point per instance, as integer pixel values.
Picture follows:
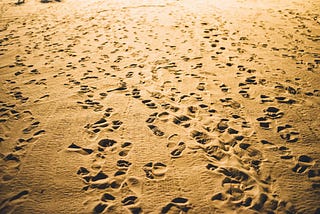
(167, 106)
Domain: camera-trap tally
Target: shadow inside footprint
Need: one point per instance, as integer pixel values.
(304, 162)
(273, 113)
(156, 131)
(99, 176)
(177, 152)
(155, 170)
(130, 200)
(107, 197)
(75, 148)
(177, 205)
(200, 137)
(99, 208)
(219, 197)
(106, 142)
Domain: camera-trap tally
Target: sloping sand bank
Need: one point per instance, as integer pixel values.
(160, 106)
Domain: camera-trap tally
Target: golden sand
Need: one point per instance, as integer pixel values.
(161, 106)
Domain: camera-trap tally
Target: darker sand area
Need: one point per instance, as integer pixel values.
(160, 106)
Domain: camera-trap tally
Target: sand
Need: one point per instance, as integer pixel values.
(160, 106)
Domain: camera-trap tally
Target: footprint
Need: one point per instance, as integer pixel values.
(149, 104)
(42, 97)
(224, 88)
(241, 189)
(164, 116)
(264, 123)
(91, 104)
(258, 205)
(99, 176)
(313, 173)
(177, 152)
(229, 102)
(102, 123)
(135, 210)
(99, 208)
(152, 117)
(201, 86)
(75, 148)
(215, 151)
(244, 93)
(108, 201)
(116, 124)
(107, 143)
(170, 107)
(198, 65)
(125, 149)
(136, 93)
(314, 176)
(219, 196)
(273, 113)
(156, 131)
(155, 170)
(134, 184)
(19, 195)
(191, 111)
(119, 173)
(182, 121)
(288, 133)
(285, 152)
(30, 128)
(18, 95)
(265, 99)
(82, 171)
(11, 157)
(108, 112)
(200, 137)
(304, 163)
(122, 87)
(211, 167)
(129, 74)
(106, 197)
(8, 205)
(232, 131)
(39, 133)
(93, 180)
(251, 80)
(129, 200)
(13, 165)
(285, 100)
(222, 125)
(244, 90)
(123, 164)
(233, 175)
(177, 205)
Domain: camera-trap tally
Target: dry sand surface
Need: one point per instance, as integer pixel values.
(110, 106)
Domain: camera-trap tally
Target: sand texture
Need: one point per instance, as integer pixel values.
(168, 106)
